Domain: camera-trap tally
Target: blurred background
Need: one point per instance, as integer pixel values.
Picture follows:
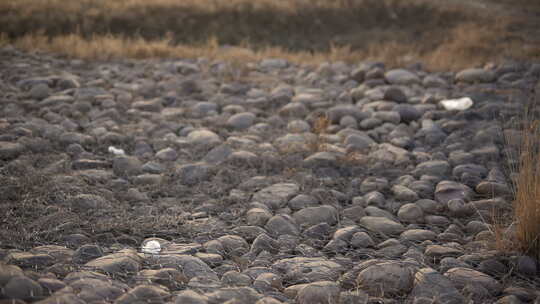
(440, 34)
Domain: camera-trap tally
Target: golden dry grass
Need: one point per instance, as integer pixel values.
(527, 190)
(520, 231)
(442, 36)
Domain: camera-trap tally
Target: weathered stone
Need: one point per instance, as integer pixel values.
(381, 225)
(9, 150)
(448, 190)
(122, 262)
(192, 174)
(323, 292)
(430, 284)
(475, 75)
(277, 195)
(401, 77)
(314, 215)
(387, 278)
(462, 277)
(281, 224)
(144, 294)
(24, 288)
(305, 270)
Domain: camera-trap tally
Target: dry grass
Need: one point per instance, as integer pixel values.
(524, 232)
(396, 32)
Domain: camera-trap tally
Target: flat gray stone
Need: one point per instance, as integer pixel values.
(382, 225)
(144, 294)
(127, 166)
(387, 278)
(322, 292)
(475, 75)
(204, 137)
(449, 190)
(23, 288)
(277, 195)
(433, 167)
(189, 265)
(10, 150)
(122, 262)
(430, 284)
(315, 215)
(306, 270)
(282, 224)
(401, 77)
(192, 174)
(462, 277)
(241, 121)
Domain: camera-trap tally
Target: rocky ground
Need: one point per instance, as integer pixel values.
(176, 181)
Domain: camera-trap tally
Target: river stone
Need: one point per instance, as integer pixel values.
(493, 189)
(315, 215)
(241, 121)
(190, 297)
(235, 278)
(204, 137)
(389, 278)
(437, 252)
(401, 77)
(302, 201)
(59, 253)
(258, 216)
(24, 288)
(282, 224)
(30, 260)
(358, 142)
(276, 196)
(167, 154)
(189, 265)
(475, 75)
(234, 294)
(361, 240)
(7, 272)
(462, 277)
(404, 194)
(449, 190)
(433, 167)
(411, 213)
(144, 294)
(323, 292)
(218, 154)
(51, 285)
(418, 235)
(122, 262)
(394, 93)
(430, 284)
(9, 150)
(40, 91)
(170, 277)
(192, 174)
(267, 282)
(382, 225)
(234, 245)
(321, 159)
(127, 166)
(305, 270)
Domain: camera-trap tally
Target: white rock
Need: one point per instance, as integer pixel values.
(151, 247)
(116, 151)
(459, 104)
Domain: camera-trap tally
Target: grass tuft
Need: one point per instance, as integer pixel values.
(525, 171)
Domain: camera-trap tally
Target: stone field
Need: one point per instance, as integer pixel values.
(193, 181)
